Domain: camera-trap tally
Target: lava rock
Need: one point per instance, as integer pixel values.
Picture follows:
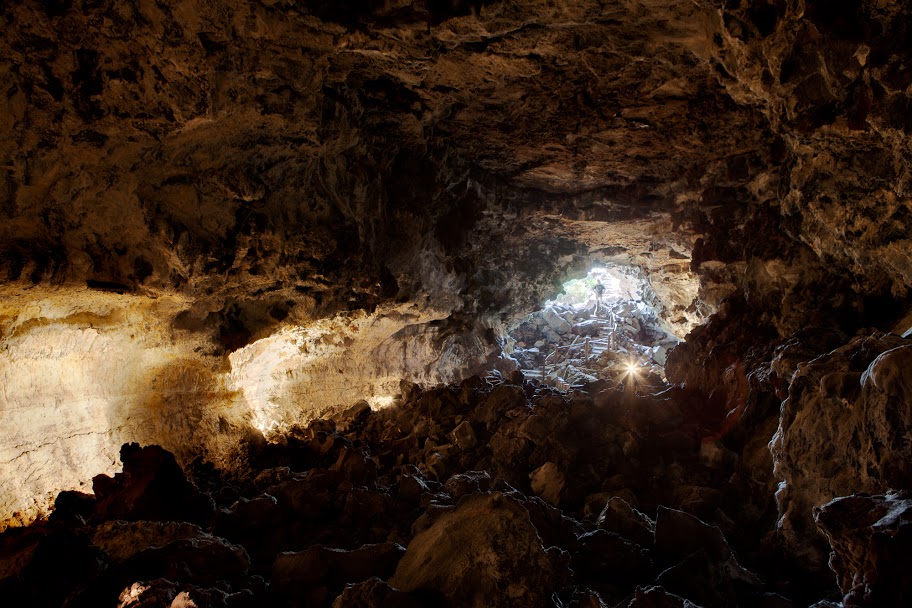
(556, 321)
(375, 593)
(548, 482)
(72, 507)
(122, 540)
(619, 517)
(151, 487)
(485, 552)
(871, 538)
(302, 574)
(680, 534)
(657, 597)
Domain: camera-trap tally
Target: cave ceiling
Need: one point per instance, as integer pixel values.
(330, 155)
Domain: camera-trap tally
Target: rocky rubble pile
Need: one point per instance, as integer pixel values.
(494, 494)
(567, 346)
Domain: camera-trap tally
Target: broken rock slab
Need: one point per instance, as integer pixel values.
(556, 321)
(871, 537)
(296, 574)
(152, 487)
(484, 553)
(548, 483)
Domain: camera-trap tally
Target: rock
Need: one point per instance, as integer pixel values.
(657, 597)
(714, 455)
(680, 534)
(551, 337)
(72, 506)
(41, 567)
(705, 569)
(606, 557)
(537, 428)
(501, 400)
(162, 593)
(122, 540)
(356, 467)
(464, 435)
(202, 560)
(412, 486)
(871, 537)
(259, 524)
(375, 593)
(619, 517)
(297, 574)
(152, 487)
(353, 417)
(548, 483)
(483, 553)
(590, 328)
(840, 432)
(470, 482)
(509, 451)
(271, 477)
(555, 321)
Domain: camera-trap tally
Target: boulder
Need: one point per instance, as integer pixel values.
(151, 487)
(548, 482)
(657, 597)
(501, 400)
(464, 436)
(619, 517)
(485, 552)
(607, 557)
(202, 560)
(871, 537)
(122, 540)
(679, 534)
(375, 593)
(842, 431)
(556, 321)
(298, 574)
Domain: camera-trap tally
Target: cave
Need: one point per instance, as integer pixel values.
(455, 303)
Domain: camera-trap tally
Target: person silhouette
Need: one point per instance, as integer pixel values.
(599, 290)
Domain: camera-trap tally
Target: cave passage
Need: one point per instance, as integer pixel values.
(602, 327)
(275, 326)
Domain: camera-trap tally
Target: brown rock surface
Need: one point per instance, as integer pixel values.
(485, 552)
(221, 221)
(842, 430)
(871, 547)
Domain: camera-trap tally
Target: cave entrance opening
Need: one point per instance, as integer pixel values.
(601, 327)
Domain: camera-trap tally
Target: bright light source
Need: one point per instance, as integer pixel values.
(632, 368)
(381, 401)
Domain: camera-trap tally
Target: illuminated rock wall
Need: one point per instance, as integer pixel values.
(84, 371)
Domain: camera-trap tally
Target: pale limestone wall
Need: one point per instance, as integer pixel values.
(82, 372)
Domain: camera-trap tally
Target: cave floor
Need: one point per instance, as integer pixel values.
(487, 493)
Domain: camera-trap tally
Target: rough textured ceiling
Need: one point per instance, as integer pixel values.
(237, 147)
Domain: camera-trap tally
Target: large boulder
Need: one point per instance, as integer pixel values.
(871, 538)
(556, 322)
(320, 573)
(843, 430)
(484, 553)
(151, 487)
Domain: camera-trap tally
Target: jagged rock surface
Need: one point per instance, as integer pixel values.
(201, 200)
(842, 430)
(391, 511)
(871, 542)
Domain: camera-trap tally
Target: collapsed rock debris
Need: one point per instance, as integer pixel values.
(487, 493)
(569, 346)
